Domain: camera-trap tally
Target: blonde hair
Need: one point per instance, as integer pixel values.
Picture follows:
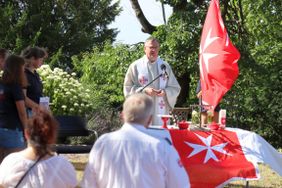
(137, 108)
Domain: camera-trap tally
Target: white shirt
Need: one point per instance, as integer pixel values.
(131, 157)
(54, 172)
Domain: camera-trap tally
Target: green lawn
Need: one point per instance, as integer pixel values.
(269, 179)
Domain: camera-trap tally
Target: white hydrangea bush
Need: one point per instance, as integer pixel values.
(67, 95)
(195, 117)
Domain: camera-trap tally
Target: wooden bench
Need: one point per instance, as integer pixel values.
(71, 126)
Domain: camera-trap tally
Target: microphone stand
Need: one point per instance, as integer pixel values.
(150, 82)
(201, 103)
(118, 108)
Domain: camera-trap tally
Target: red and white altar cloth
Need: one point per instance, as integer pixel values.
(215, 158)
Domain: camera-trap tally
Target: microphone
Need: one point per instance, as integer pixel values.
(163, 68)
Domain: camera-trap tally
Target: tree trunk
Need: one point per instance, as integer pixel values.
(184, 81)
(146, 26)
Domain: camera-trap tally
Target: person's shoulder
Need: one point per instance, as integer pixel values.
(134, 63)
(167, 64)
(104, 137)
(13, 155)
(14, 88)
(104, 141)
(59, 159)
(27, 71)
(160, 134)
(164, 62)
(12, 159)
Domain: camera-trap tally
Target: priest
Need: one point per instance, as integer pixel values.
(154, 77)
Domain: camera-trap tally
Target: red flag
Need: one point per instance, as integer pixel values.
(218, 58)
(213, 158)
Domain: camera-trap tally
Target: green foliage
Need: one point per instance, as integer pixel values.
(104, 71)
(71, 26)
(67, 95)
(254, 26)
(179, 47)
(256, 96)
(180, 43)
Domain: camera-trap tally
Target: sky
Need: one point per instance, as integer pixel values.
(129, 26)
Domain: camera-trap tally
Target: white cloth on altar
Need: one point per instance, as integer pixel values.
(131, 157)
(135, 80)
(258, 150)
(56, 172)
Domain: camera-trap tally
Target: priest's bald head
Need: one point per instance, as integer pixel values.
(138, 108)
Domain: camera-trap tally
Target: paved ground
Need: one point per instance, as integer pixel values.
(76, 157)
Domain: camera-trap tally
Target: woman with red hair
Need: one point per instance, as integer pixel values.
(37, 165)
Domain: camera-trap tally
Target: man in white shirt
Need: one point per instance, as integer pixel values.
(164, 90)
(131, 157)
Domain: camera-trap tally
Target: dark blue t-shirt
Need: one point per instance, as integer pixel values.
(198, 89)
(9, 117)
(34, 89)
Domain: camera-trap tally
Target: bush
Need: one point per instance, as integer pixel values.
(67, 95)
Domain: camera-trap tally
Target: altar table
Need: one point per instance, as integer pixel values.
(215, 158)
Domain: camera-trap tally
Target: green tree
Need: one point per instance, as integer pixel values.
(105, 70)
(71, 26)
(257, 92)
(254, 27)
(180, 37)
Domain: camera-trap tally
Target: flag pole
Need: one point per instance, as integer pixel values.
(201, 111)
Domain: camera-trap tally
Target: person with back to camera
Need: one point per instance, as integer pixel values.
(164, 91)
(131, 157)
(203, 111)
(34, 57)
(13, 115)
(37, 166)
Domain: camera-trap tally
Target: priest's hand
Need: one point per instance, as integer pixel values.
(150, 91)
(160, 93)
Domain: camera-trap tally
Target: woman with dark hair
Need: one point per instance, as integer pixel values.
(3, 54)
(37, 166)
(13, 116)
(34, 57)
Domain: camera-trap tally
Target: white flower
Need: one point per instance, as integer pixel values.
(194, 112)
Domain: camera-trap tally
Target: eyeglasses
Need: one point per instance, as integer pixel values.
(152, 47)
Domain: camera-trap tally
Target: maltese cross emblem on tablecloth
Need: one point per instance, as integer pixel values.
(207, 146)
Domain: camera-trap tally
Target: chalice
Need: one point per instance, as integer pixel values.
(165, 118)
